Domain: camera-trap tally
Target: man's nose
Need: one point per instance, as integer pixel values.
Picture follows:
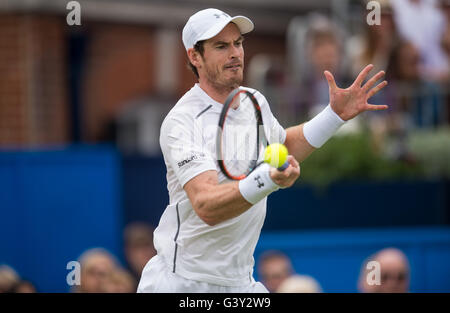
(235, 52)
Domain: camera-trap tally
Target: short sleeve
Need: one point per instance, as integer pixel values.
(183, 147)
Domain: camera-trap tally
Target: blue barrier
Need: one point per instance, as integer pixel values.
(53, 206)
(344, 204)
(56, 204)
(359, 204)
(334, 258)
(145, 194)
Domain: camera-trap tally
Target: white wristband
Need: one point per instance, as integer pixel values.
(319, 129)
(258, 184)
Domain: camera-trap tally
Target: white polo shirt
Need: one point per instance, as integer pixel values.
(221, 254)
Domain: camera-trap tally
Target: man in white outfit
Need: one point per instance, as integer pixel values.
(207, 235)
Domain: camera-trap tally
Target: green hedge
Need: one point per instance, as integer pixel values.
(353, 157)
(431, 148)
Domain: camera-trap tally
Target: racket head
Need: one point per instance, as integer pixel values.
(241, 139)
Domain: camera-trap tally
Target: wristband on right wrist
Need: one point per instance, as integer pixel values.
(258, 184)
(322, 127)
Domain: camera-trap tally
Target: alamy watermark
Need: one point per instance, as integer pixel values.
(374, 16)
(74, 16)
(373, 274)
(73, 278)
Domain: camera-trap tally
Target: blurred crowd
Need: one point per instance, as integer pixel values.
(101, 272)
(410, 42)
(277, 274)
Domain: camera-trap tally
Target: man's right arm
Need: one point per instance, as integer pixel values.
(212, 202)
(195, 168)
(215, 203)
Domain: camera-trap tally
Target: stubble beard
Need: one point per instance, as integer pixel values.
(222, 85)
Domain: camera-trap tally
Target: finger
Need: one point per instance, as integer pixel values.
(330, 80)
(373, 80)
(294, 174)
(376, 89)
(362, 76)
(376, 107)
(295, 171)
(292, 161)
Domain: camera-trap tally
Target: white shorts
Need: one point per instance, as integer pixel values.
(157, 277)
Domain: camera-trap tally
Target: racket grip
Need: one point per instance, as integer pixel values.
(284, 166)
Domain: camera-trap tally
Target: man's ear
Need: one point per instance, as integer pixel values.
(194, 57)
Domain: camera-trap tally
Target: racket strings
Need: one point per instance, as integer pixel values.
(240, 142)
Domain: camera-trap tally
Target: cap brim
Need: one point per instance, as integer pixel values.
(244, 24)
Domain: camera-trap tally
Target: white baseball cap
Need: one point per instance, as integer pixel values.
(207, 23)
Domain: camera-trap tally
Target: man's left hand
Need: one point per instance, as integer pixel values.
(349, 102)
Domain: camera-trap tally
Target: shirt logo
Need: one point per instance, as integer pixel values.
(189, 159)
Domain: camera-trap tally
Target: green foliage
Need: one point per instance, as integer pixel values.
(352, 157)
(431, 148)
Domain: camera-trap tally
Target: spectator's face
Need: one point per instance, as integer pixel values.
(119, 282)
(222, 64)
(408, 62)
(274, 271)
(386, 27)
(26, 288)
(394, 275)
(383, 36)
(95, 272)
(139, 254)
(325, 56)
(446, 41)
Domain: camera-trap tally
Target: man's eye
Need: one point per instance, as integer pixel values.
(238, 44)
(220, 47)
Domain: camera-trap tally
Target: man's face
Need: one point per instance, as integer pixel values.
(222, 64)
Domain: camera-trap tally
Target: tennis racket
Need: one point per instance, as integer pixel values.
(241, 138)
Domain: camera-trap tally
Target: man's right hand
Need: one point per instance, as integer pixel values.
(286, 178)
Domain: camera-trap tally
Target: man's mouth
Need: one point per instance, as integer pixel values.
(233, 66)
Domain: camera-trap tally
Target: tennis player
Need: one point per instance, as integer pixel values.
(207, 234)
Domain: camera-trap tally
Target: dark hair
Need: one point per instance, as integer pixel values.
(199, 47)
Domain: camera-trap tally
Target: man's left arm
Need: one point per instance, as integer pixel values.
(345, 104)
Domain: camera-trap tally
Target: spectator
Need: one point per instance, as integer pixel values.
(375, 44)
(8, 279)
(445, 43)
(139, 249)
(299, 284)
(445, 39)
(96, 267)
(274, 268)
(24, 286)
(421, 23)
(120, 281)
(394, 273)
(324, 51)
(418, 99)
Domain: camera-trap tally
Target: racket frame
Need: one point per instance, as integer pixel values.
(260, 126)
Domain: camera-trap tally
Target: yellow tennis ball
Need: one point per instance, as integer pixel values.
(276, 155)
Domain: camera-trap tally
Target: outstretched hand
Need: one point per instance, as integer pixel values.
(349, 102)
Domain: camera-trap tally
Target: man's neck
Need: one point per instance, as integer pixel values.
(216, 93)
